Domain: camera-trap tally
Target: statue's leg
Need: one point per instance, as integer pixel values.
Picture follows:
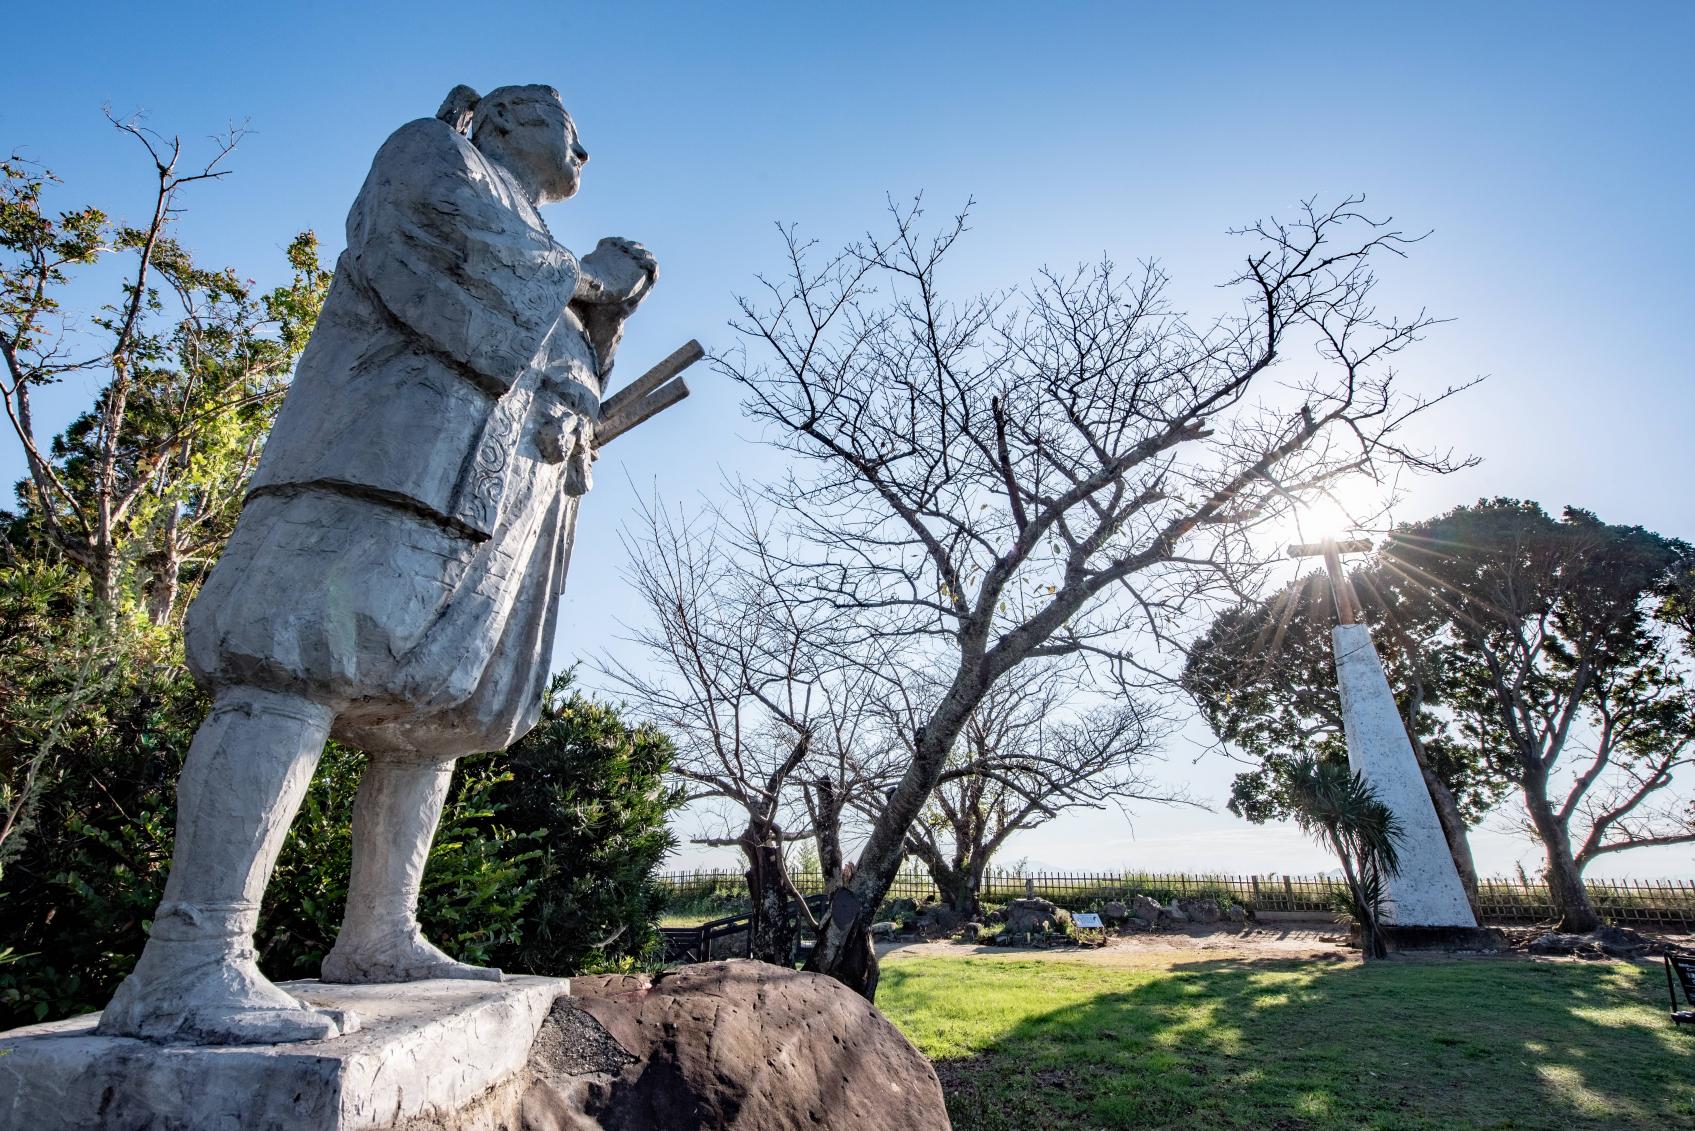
(394, 821)
(197, 979)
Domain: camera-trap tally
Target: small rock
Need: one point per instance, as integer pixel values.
(883, 930)
(1236, 913)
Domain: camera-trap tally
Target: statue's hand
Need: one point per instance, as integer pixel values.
(617, 271)
(569, 439)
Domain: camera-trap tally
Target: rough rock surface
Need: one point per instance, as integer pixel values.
(1032, 915)
(726, 1046)
(940, 919)
(1146, 909)
(1114, 913)
(1607, 942)
(1202, 910)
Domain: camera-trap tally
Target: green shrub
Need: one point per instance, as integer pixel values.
(592, 787)
(541, 862)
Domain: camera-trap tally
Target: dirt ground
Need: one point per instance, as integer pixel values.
(1155, 948)
(1314, 941)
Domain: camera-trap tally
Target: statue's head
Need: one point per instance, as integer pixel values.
(525, 129)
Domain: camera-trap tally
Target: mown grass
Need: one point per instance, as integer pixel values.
(1415, 1045)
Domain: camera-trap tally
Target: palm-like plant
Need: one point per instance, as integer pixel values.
(1340, 809)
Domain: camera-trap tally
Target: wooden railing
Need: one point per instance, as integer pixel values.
(1667, 904)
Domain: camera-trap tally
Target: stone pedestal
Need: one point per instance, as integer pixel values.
(1427, 891)
(442, 1053)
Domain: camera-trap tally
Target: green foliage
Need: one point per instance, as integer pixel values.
(592, 787)
(1341, 810)
(142, 488)
(477, 887)
(104, 712)
(1527, 654)
(542, 852)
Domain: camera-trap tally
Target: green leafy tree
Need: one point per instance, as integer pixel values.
(1264, 678)
(1564, 674)
(1543, 657)
(141, 490)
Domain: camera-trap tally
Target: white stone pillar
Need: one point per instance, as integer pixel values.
(1427, 891)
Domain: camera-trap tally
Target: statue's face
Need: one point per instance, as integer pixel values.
(546, 136)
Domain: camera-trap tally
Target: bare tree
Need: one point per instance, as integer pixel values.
(1022, 759)
(772, 729)
(1057, 472)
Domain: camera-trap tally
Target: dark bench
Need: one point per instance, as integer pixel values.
(1680, 971)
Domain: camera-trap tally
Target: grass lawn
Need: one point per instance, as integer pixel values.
(682, 920)
(1449, 1044)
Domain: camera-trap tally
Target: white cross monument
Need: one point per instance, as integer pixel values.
(1426, 892)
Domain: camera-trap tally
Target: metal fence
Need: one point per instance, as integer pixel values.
(1648, 903)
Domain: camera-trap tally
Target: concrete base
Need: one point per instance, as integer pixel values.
(425, 1052)
(1449, 939)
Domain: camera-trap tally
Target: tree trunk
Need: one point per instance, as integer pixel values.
(771, 932)
(827, 826)
(959, 889)
(954, 880)
(845, 942)
(847, 925)
(162, 587)
(1565, 878)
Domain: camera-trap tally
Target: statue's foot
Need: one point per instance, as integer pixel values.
(207, 994)
(400, 956)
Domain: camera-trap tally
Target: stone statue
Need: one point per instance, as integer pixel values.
(393, 579)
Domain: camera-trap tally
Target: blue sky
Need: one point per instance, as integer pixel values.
(1548, 147)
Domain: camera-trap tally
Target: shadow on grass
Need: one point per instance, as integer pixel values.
(1410, 1045)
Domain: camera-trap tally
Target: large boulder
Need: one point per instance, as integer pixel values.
(1201, 910)
(726, 1046)
(939, 919)
(1034, 916)
(1114, 914)
(1146, 909)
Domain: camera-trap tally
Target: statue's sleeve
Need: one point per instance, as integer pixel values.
(444, 251)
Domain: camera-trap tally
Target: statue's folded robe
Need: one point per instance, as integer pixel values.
(404, 538)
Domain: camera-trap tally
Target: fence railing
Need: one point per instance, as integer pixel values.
(1650, 903)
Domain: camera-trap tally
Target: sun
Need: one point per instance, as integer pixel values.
(1353, 507)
